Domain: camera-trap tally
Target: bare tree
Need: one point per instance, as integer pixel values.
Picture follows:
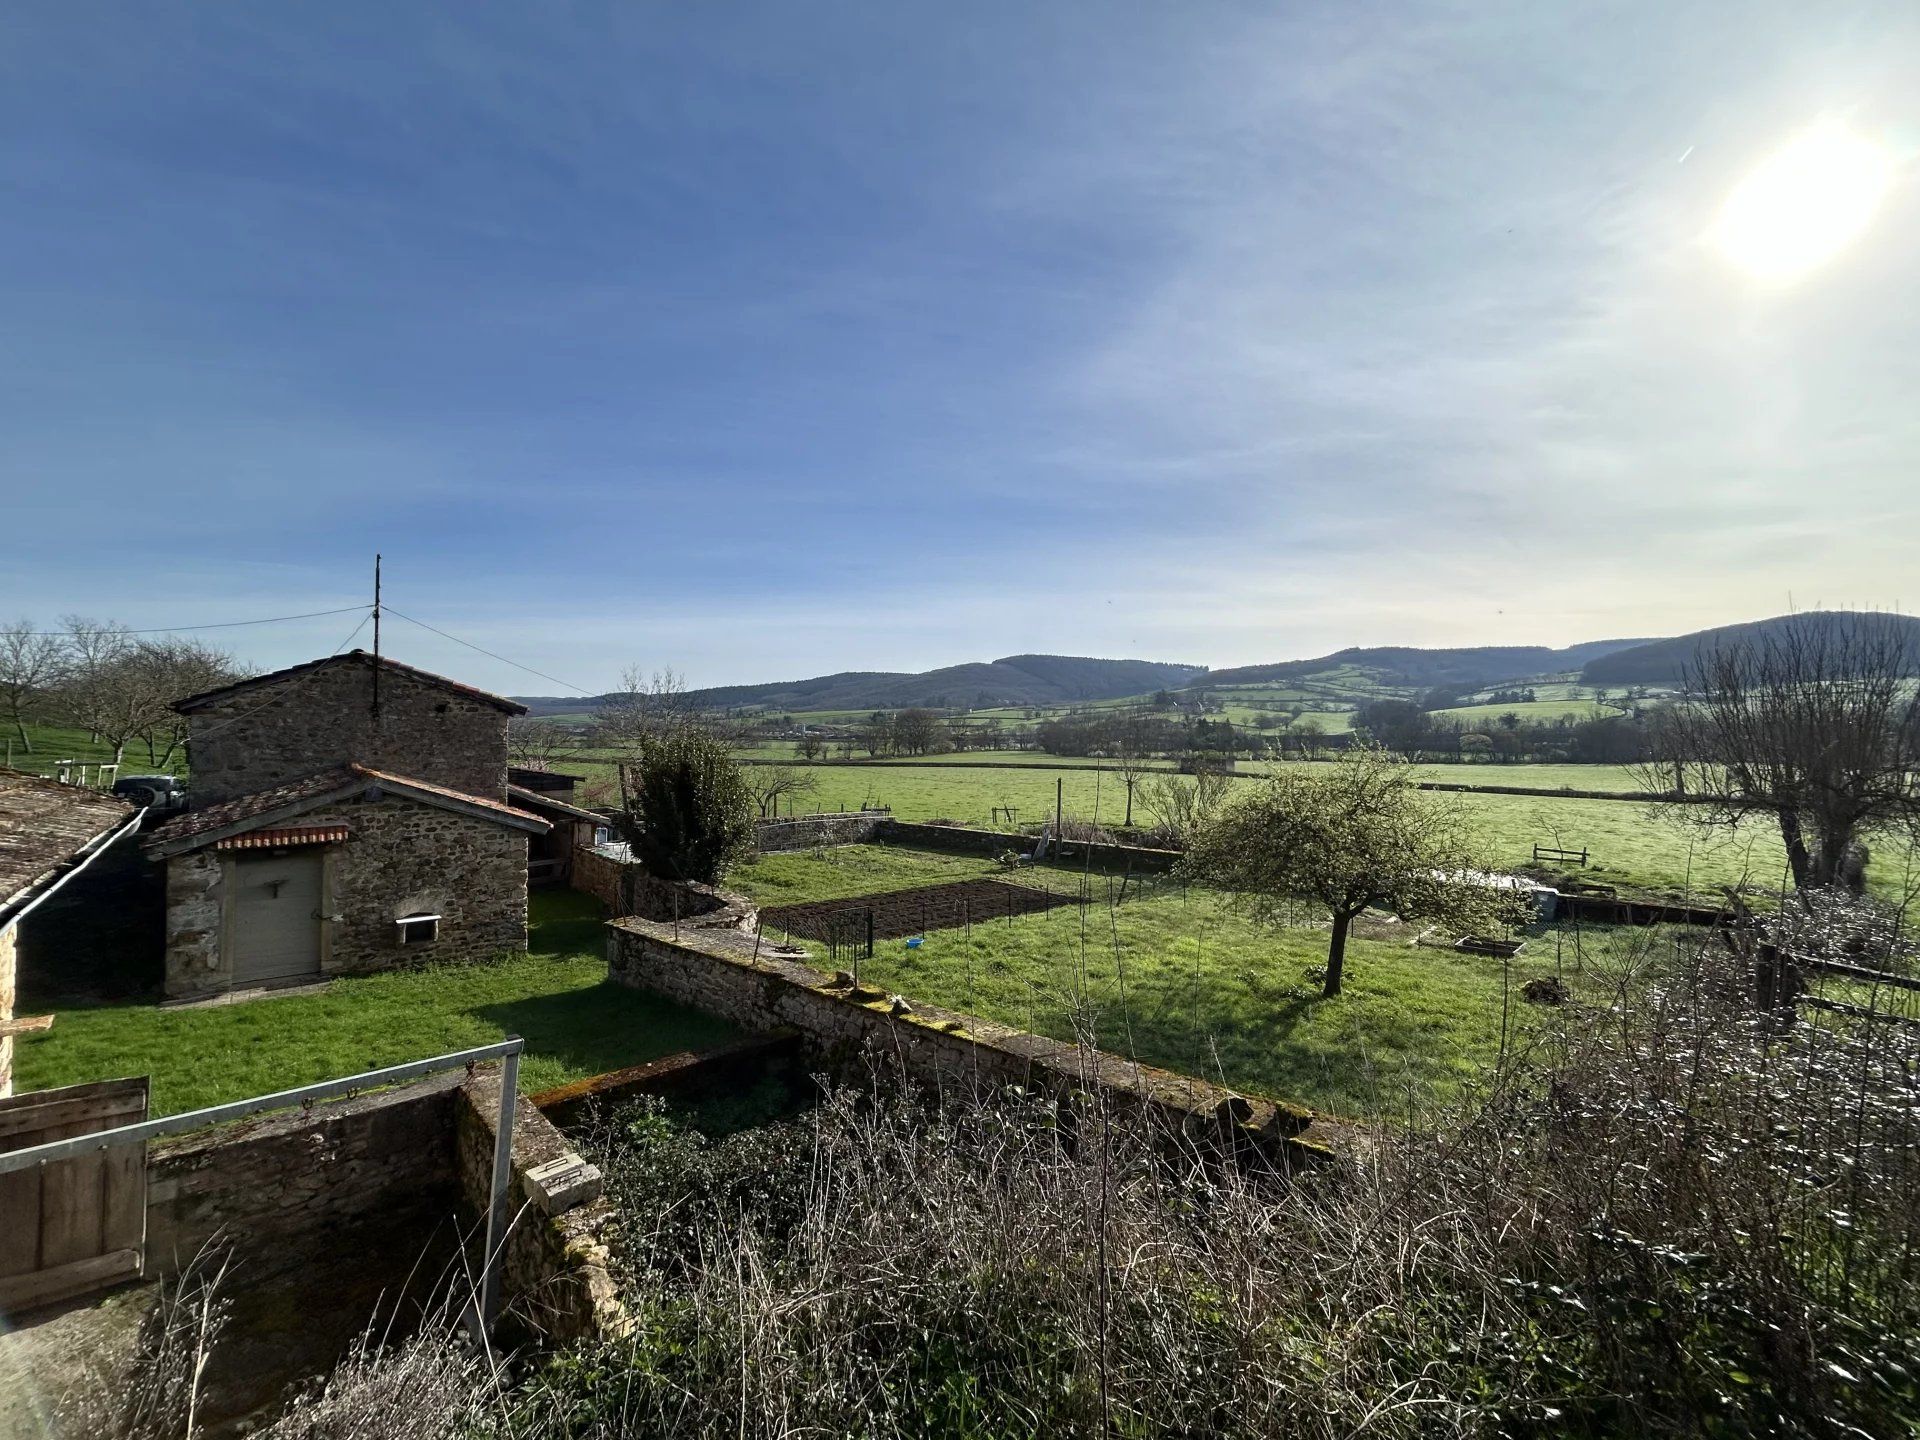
(1130, 741)
(540, 744)
(1813, 722)
(1181, 806)
(153, 675)
(810, 746)
(91, 695)
(645, 706)
(768, 783)
(1356, 835)
(32, 664)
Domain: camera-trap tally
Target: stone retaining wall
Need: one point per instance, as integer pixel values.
(554, 1281)
(277, 1186)
(994, 842)
(725, 974)
(804, 832)
(301, 1190)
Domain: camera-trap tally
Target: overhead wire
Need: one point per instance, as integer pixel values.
(554, 679)
(216, 625)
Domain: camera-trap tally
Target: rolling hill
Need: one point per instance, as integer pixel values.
(1664, 662)
(1013, 680)
(1405, 666)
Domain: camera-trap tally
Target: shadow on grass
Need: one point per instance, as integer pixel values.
(604, 1027)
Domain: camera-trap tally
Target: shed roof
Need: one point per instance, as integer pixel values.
(534, 800)
(44, 824)
(199, 828)
(353, 657)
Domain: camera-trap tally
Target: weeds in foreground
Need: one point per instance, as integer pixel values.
(1665, 1215)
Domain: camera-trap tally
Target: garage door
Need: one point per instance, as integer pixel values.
(276, 920)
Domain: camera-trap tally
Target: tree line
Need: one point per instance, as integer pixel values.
(101, 677)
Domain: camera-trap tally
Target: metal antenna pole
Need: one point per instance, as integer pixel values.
(376, 636)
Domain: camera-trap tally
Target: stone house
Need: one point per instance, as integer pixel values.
(347, 815)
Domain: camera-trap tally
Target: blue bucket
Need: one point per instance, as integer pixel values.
(916, 942)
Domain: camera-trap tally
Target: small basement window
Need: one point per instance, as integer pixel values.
(418, 929)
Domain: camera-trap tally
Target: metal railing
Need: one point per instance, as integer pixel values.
(506, 1051)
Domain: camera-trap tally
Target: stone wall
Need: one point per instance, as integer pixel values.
(321, 719)
(300, 1191)
(278, 1186)
(555, 1280)
(854, 827)
(402, 857)
(993, 842)
(598, 874)
(725, 974)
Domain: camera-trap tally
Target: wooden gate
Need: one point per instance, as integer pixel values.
(70, 1226)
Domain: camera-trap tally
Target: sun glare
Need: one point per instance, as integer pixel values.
(1802, 206)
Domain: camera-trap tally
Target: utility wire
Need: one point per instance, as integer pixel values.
(554, 679)
(219, 625)
(300, 684)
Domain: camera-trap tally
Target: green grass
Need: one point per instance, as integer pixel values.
(1533, 712)
(66, 742)
(1205, 991)
(576, 1023)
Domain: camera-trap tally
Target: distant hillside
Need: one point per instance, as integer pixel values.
(1014, 680)
(1404, 665)
(1664, 662)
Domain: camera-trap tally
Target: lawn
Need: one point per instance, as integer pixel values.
(557, 996)
(1177, 979)
(67, 742)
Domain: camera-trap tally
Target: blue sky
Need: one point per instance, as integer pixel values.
(766, 340)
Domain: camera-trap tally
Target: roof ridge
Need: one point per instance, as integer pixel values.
(188, 703)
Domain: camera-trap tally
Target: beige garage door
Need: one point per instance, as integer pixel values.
(276, 918)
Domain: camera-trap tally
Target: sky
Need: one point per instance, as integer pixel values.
(766, 340)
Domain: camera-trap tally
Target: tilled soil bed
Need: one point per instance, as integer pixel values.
(910, 912)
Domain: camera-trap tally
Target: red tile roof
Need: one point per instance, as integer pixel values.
(288, 799)
(280, 838)
(352, 657)
(45, 823)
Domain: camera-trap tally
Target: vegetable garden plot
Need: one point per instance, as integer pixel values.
(913, 912)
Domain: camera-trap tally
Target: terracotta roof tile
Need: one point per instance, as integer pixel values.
(245, 807)
(340, 782)
(282, 836)
(45, 823)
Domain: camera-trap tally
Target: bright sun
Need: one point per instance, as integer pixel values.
(1801, 207)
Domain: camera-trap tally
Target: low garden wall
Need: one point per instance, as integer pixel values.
(726, 974)
(554, 1276)
(300, 1191)
(276, 1187)
(804, 832)
(994, 842)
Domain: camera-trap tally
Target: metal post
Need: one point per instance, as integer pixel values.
(502, 1171)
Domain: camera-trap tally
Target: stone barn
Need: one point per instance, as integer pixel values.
(344, 816)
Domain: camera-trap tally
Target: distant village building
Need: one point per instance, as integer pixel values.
(49, 831)
(346, 815)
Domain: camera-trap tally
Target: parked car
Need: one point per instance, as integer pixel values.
(160, 793)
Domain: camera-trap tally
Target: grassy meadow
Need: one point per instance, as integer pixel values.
(576, 1023)
(1175, 977)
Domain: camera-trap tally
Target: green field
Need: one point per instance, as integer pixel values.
(1176, 978)
(576, 1023)
(1533, 712)
(65, 742)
